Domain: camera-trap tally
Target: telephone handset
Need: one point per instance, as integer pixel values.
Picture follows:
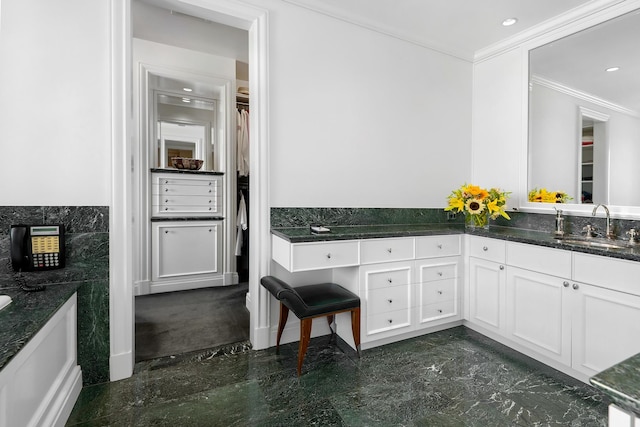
(37, 248)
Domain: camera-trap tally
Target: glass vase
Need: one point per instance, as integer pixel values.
(477, 221)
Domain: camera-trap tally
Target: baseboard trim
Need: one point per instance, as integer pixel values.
(68, 395)
(120, 366)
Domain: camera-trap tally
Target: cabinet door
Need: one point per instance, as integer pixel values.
(539, 313)
(437, 291)
(181, 249)
(606, 327)
(487, 294)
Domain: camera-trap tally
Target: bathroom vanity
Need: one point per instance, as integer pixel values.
(571, 307)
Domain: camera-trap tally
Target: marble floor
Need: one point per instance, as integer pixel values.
(450, 378)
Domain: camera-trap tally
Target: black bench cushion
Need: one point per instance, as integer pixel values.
(311, 300)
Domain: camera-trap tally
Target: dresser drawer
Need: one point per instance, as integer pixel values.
(315, 256)
(165, 183)
(485, 248)
(387, 299)
(554, 262)
(386, 276)
(388, 321)
(428, 273)
(386, 250)
(437, 246)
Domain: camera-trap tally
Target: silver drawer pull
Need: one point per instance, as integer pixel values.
(390, 280)
(390, 320)
(209, 208)
(439, 292)
(166, 182)
(440, 273)
(565, 284)
(484, 248)
(166, 231)
(209, 230)
(209, 182)
(440, 246)
(209, 190)
(389, 250)
(329, 256)
(439, 311)
(390, 301)
(502, 267)
(166, 201)
(575, 286)
(166, 189)
(166, 209)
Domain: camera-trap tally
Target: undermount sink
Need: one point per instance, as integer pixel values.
(595, 242)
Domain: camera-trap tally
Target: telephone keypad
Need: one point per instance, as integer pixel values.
(46, 260)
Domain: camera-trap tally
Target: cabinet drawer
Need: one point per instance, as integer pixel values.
(386, 250)
(489, 249)
(616, 274)
(437, 246)
(554, 262)
(436, 292)
(314, 256)
(189, 184)
(440, 309)
(428, 273)
(388, 299)
(386, 277)
(388, 321)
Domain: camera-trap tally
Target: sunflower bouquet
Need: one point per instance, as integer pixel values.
(543, 195)
(478, 204)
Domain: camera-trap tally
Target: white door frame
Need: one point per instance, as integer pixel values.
(121, 298)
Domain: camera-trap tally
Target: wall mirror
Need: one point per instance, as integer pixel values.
(584, 116)
(183, 121)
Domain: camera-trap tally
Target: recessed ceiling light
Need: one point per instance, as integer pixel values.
(611, 69)
(509, 21)
(187, 89)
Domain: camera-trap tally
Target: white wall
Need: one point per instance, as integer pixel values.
(497, 123)
(361, 119)
(55, 102)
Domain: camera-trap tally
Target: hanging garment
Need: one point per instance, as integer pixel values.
(242, 144)
(241, 224)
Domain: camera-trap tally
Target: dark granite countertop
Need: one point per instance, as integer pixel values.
(27, 314)
(621, 382)
(541, 238)
(187, 171)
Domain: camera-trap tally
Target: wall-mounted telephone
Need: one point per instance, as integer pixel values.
(37, 247)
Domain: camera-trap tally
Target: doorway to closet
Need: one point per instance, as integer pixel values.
(176, 322)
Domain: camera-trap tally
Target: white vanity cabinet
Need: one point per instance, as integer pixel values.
(186, 255)
(606, 312)
(580, 313)
(407, 285)
(186, 194)
(538, 300)
(487, 284)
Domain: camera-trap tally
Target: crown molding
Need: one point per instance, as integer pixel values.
(567, 23)
(539, 80)
(359, 21)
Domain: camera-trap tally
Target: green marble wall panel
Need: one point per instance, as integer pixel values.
(87, 263)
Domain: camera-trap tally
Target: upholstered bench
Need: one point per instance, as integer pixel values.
(311, 301)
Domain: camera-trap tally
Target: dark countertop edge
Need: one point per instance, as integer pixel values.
(187, 171)
(534, 237)
(618, 397)
(187, 218)
(47, 302)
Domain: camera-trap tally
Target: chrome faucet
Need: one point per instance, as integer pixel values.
(608, 233)
(559, 223)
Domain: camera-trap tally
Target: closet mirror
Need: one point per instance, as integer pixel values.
(584, 114)
(183, 121)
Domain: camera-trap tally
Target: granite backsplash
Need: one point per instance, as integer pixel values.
(87, 262)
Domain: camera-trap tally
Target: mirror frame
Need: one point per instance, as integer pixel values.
(570, 28)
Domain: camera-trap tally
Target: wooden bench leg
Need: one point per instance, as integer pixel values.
(305, 337)
(355, 328)
(284, 315)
